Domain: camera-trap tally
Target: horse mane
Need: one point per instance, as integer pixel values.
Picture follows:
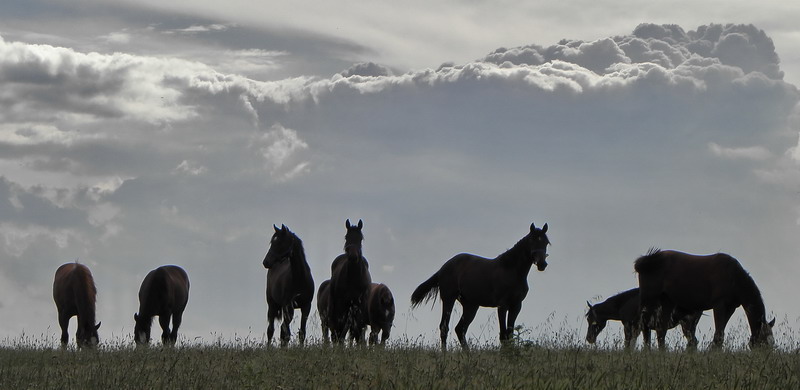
(649, 262)
(747, 286)
(510, 256)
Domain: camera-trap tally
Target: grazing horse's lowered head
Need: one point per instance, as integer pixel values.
(281, 246)
(596, 324)
(537, 243)
(763, 336)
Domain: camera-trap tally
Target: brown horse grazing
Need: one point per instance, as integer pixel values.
(75, 293)
(380, 307)
(289, 283)
(164, 293)
(350, 282)
(624, 307)
(713, 282)
(323, 302)
(476, 281)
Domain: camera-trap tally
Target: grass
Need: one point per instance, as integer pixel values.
(246, 364)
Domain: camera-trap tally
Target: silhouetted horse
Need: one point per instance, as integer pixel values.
(289, 283)
(350, 282)
(624, 307)
(74, 293)
(164, 293)
(713, 282)
(476, 281)
(323, 303)
(380, 306)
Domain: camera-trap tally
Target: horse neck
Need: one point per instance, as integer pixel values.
(752, 302)
(607, 310)
(516, 258)
(86, 294)
(356, 265)
(298, 258)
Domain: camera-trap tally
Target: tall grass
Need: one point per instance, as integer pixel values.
(246, 362)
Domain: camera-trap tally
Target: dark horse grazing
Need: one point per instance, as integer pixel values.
(350, 282)
(323, 303)
(476, 281)
(164, 293)
(624, 307)
(380, 307)
(713, 282)
(74, 293)
(289, 283)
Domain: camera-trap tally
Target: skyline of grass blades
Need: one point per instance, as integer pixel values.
(548, 356)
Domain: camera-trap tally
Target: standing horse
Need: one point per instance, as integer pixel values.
(164, 293)
(323, 303)
(713, 282)
(380, 307)
(475, 281)
(75, 294)
(289, 283)
(624, 307)
(350, 282)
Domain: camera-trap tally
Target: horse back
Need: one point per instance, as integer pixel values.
(73, 285)
(380, 304)
(481, 281)
(693, 282)
(165, 288)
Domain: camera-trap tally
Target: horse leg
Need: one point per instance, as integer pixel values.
(689, 326)
(373, 334)
(272, 312)
(661, 337)
(286, 332)
(501, 318)
(301, 334)
(163, 320)
(444, 324)
(63, 322)
(461, 327)
(630, 334)
(385, 333)
(177, 318)
(721, 316)
(513, 312)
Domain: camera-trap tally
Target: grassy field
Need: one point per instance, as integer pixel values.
(252, 365)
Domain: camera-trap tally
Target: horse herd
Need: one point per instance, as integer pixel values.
(674, 289)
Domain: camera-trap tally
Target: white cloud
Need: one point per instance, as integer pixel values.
(754, 153)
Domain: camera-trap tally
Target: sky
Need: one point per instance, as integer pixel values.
(139, 133)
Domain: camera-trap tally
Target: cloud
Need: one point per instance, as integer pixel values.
(754, 153)
(660, 137)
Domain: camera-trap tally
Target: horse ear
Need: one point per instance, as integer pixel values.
(276, 228)
(533, 227)
(360, 224)
(544, 228)
(589, 304)
(284, 228)
(771, 323)
(347, 223)
(96, 327)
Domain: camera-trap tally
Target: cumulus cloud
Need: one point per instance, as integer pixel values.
(755, 153)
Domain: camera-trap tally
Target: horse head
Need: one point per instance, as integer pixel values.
(763, 337)
(280, 246)
(141, 329)
(537, 243)
(353, 239)
(87, 335)
(596, 325)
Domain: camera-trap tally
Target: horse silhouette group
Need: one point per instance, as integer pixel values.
(674, 289)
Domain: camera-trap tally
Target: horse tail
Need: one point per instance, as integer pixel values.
(425, 291)
(649, 262)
